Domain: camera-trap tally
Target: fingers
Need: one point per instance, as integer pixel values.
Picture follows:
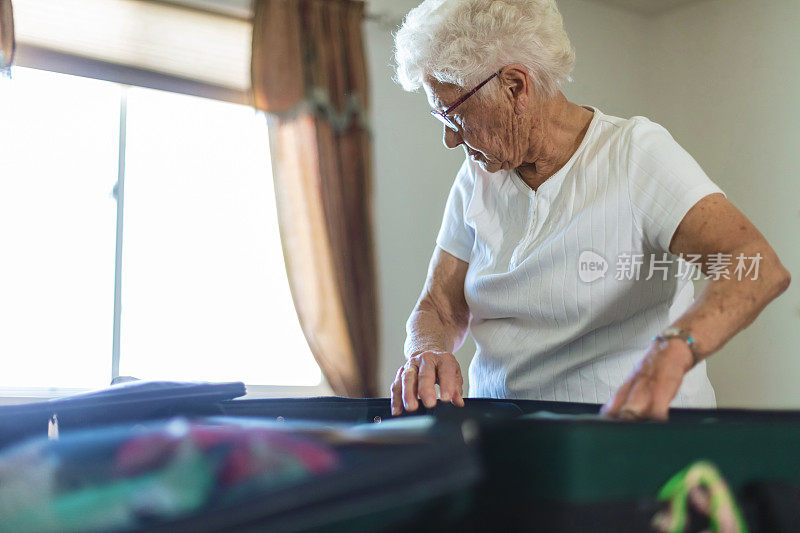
(639, 400)
(409, 380)
(634, 400)
(663, 393)
(647, 394)
(613, 406)
(458, 399)
(418, 379)
(450, 381)
(427, 379)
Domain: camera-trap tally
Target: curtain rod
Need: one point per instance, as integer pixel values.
(387, 21)
(200, 9)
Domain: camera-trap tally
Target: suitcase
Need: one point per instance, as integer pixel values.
(128, 402)
(422, 474)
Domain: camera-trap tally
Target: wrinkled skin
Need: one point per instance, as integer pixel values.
(507, 124)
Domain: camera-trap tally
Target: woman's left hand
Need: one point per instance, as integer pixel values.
(655, 381)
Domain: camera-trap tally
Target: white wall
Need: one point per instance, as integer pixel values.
(610, 61)
(726, 82)
(724, 91)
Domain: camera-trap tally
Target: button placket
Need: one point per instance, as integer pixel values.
(530, 226)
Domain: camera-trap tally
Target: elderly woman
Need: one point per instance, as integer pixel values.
(567, 234)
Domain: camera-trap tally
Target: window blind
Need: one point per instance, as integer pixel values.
(152, 44)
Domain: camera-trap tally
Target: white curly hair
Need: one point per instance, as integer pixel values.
(463, 41)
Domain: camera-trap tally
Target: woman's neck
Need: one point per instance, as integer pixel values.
(557, 135)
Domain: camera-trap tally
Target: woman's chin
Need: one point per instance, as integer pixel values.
(492, 166)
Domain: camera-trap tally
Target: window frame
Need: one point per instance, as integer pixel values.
(30, 56)
(39, 58)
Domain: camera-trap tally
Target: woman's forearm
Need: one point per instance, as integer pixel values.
(727, 306)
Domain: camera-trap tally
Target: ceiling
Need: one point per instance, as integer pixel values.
(647, 7)
(243, 8)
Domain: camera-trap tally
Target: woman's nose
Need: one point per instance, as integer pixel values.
(452, 139)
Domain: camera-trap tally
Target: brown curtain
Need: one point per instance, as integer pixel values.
(309, 75)
(7, 44)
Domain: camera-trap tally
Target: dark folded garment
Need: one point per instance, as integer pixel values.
(132, 401)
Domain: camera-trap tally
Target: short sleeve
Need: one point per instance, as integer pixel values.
(664, 183)
(455, 236)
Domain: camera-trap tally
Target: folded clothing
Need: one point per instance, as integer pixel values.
(132, 401)
(118, 478)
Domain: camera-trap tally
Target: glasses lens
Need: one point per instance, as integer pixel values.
(441, 117)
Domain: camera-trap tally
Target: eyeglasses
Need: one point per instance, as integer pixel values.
(442, 117)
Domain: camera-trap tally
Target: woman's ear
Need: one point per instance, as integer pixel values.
(516, 86)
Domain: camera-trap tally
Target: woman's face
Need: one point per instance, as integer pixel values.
(488, 128)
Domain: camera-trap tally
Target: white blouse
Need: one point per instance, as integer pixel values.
(557, 282)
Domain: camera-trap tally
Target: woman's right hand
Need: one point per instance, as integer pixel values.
(417, 379)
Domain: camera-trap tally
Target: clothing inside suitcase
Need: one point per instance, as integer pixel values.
(523, 464)
(387, 475)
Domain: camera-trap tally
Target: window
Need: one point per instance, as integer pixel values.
(58, 166)
(192, 247)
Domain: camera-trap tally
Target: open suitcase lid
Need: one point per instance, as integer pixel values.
(137, 392)
(135, 400)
